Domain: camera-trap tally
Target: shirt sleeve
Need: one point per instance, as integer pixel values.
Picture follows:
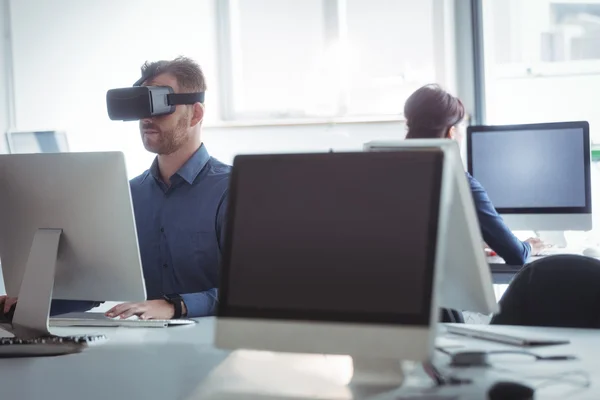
(201, 304)
(493, 229)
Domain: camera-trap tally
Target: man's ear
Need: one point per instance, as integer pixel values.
(451, 133)
(197, 113)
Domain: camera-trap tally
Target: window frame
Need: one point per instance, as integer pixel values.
(543, 69)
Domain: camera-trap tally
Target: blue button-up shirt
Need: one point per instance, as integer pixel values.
(181, 228)
(493, 229)
(180, 233)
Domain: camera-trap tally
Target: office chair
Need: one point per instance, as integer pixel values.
(450, 315)
(556, 291)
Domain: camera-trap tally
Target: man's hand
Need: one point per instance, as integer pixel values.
(7, 302)
(151, 309)
(536, 246)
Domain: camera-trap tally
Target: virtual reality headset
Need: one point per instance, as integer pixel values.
(139, 102)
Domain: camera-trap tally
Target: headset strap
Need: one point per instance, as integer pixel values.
(185, 98)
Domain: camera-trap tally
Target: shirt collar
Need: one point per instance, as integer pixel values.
(188, 171)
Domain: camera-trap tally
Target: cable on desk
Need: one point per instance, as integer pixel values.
(443, 350)
(554, 379)
(559, 378)
(440, 379)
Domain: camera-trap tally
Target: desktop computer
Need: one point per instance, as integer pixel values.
(343, 253)
(536, 175)
(67, 231)
(467, 284)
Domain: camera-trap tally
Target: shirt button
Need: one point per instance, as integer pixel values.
(165, 266)
(162, 229)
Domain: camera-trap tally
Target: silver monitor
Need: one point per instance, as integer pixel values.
(28, 142)
(467, 284)
(336, 253)
(536, 175)
(67, 231)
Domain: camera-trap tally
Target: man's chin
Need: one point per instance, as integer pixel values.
(152, 147)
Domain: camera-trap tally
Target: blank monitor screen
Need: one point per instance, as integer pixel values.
(333, 237)
(37, 142)
(532, 168)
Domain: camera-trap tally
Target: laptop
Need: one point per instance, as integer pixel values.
(98, 319)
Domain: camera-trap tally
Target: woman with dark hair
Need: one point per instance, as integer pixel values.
(433, 113)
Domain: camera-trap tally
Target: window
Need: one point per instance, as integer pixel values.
(323, 58)
(542, 61)
(68, 53)
(393, 50)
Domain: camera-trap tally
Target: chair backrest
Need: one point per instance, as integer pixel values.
(559, 291)
(451, 315)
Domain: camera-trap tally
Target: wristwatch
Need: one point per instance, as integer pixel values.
(176, 300)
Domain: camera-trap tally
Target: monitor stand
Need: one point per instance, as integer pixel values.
(30, 323)
(375, 375)
(554, 238)
(30, 319)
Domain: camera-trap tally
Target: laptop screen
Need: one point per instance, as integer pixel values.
(333, 237)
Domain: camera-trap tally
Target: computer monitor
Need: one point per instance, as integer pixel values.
(467, 283)
(536, 175)
(27, 142)
(67, 231)
(336, 253)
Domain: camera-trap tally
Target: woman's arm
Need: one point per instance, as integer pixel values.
(493, 229)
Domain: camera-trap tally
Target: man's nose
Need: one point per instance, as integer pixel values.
(146, 120)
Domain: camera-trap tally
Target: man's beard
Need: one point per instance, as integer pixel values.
(166, 142)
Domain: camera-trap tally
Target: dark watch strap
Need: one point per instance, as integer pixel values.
(176, 301)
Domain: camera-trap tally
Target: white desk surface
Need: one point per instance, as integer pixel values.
(181, 363)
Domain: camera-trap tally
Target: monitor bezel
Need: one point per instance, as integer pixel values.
(584, 125)
(226, 310)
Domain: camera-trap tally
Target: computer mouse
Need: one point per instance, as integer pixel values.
(505, 390)
(593, 252)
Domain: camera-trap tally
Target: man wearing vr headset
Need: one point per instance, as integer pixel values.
(180, 202)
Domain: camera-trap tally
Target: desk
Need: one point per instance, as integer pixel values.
(138, 363)
(181, 363)
(503, 273)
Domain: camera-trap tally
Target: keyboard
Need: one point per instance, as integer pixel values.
(47, 346)
(552, 251)
(99, 319)
(503, 334)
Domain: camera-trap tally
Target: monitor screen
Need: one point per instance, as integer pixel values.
(532, 168)
(335, 237)
(37, 142)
